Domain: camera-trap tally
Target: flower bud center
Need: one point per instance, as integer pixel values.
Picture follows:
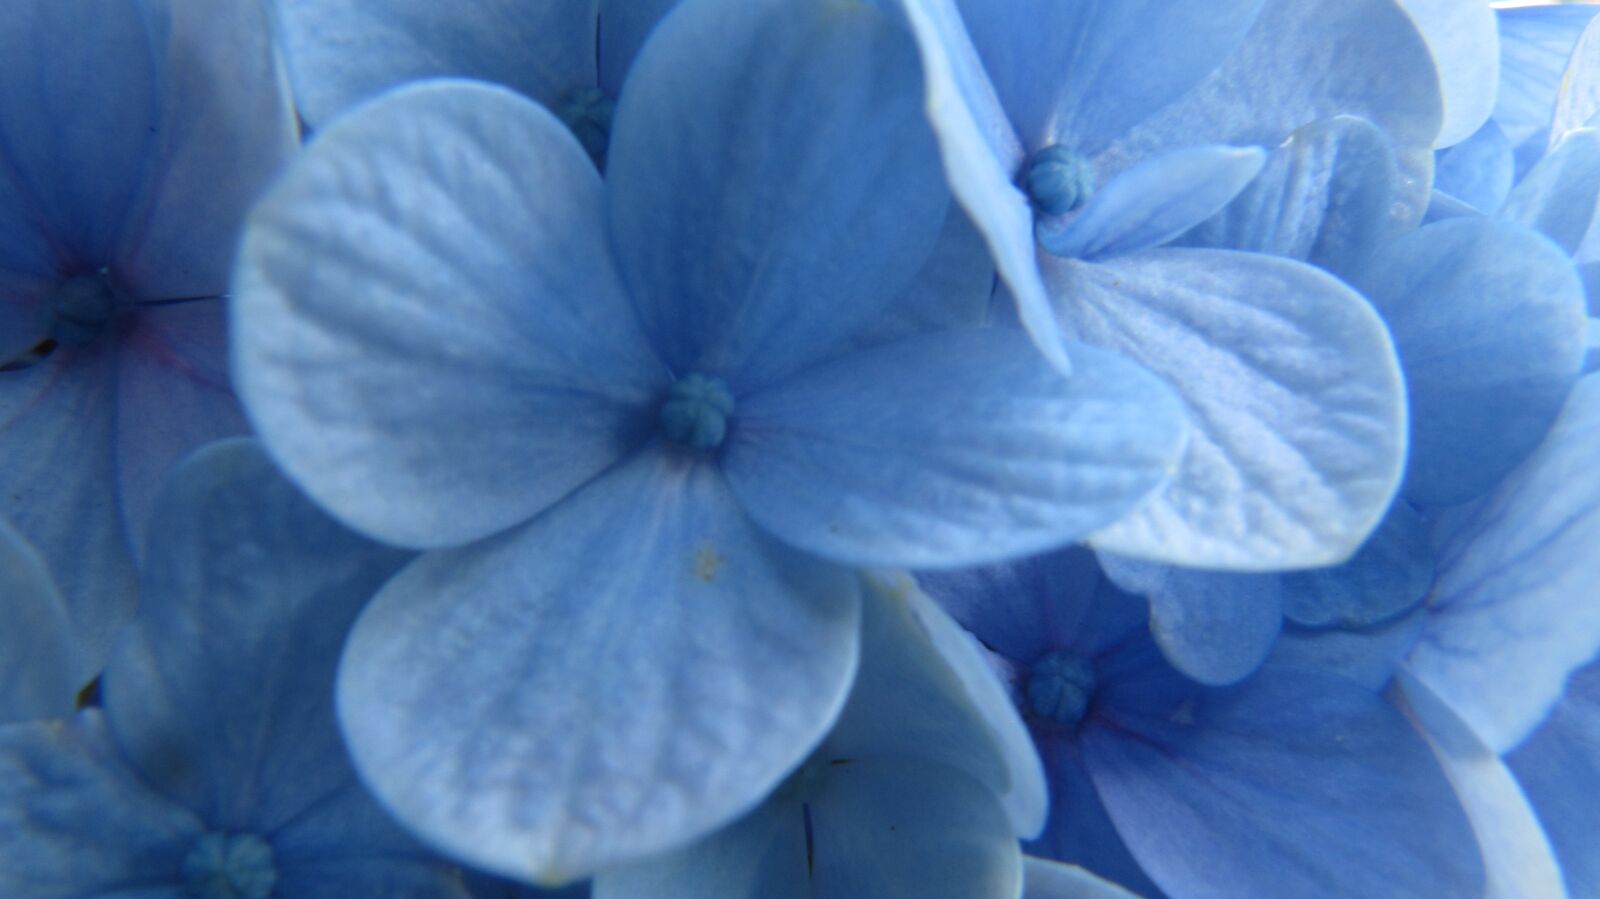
(696, 412)
(1059, 687)
(1058, 180)
(230, 866)
(80, 309)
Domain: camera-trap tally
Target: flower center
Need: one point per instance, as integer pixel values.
(587, 113)
(80, 309)
(230, 866)
(1059, 686)
(696, 412)
(1058, 180)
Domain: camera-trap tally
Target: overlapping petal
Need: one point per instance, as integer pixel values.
(1559, 196)
(37, 670)
(1536, 45)
(1559, 769)
(1578, 103)
(1477, 171)
(1465, 43)
(1388, 575)
(1046, 879)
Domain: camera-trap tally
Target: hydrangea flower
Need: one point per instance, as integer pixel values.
(1558, 767)
(215, 769)
(37, 649)
(134, 135)
(634, 426)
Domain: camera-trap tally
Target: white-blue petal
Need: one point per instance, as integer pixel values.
(430, 335)
(1559, 196)
(950, 449)
(1559, 769)
(1477, 171)
(1535, 46)
(630, 671)
(1578, 104)
(1465, 43)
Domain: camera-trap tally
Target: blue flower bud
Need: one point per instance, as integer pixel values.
(230, 866)
(80, 308)
(1059, 687)
(696, 412)
(1058, 180)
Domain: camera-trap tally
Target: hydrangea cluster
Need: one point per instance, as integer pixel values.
(799, 449)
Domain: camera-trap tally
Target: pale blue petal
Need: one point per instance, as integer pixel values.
(951, 449)
(79, 107)
(1578, 104)
(981, 155)
(1509, 572)
(1215, 627)
(1305, 60)
(429, 332)
(226, 128)
(1153, 202)
(1559, 195)
(221, 691)
(624, 26)
(761, 856)
(1388, 576)
(1559, 767)
(1292, 391)
(1478, 171)
(1221, 791)
(1488, 320)
(37, 666)
(1322, 197)
(1535, 45)
(75, 822)
(1083, 73)
(770, 200)
(1465, 43)
(58, 488)
(541, 721)
(23, 324)
(1046, 879)
(1517, 857)
(1367, 656)
(340, 52)
(1442, 206)
(955, 289)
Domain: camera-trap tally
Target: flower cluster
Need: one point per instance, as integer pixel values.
(849, 449)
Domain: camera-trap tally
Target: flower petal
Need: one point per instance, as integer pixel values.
(1479, 170)
(541, 721)
(1046, 879)
(1292, 391)
(340, 52)
(1536, 44)
(1390, 574)
(36, 649)
(1559, 195)
(950, 449)
(1578, 104)
(1465, 43)
(770, 200)
(1510, 566)
(430, 334)
(1559, 768)
(760, 856)
(624, 26)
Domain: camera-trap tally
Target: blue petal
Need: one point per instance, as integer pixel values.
(1080, 832)
(1535, 45)
(430, 334)
(1368, 656)
(1558, 196)
(1083, 73)
(624, 26)
(1305, 60)
(1481, 392)
(221, 691)
(1322, 197)
(1046, 879)
(340, 52)
(761, 856)
(541, 721)
(74, 821)
(78, 116)
(955, 289)
(1510, 568)
(1022, 609)
(996, 455)
(770, 200)
(1478, 171)
(1518, 859)
(1578, 104)
(1153, 202)
(1559, 768)
(37, 664)
(1389, 575)
(1215, 627)
(1219, 792)
(1292, 391)
(391, 878)
(981, 154)
(226, 128)
(1465, 43)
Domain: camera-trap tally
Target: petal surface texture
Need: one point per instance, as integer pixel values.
(950, 449)
(770, 200)
(1292, 391)
(37, 671)
(628, 672)
(430, 334)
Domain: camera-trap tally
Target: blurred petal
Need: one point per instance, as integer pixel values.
(390, 878)
(1292, 391)
(1368, 656)
(771, 200)
(75, 822)
(1510, 568)
(1481, 394)
(1465, 44)
(1080, 832)
(1154, 202)
(954, 289)
(36, 649)
(541, 722)
(624, 26)
(340, 52)
(1389, 575)
(996, 455)
(221, 693)
(1559, 768)
(1046, 879)
(1559, 195)
(1578, 104)
(1478, 171)
(1323, 197)
(1535, 45)
(227, 126)
(760, 856)
(1218, 792)
(430, 335)
(1023, 609)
